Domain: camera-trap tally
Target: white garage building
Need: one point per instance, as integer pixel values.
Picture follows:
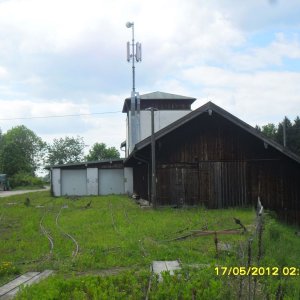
(91, 178)
(110, 176)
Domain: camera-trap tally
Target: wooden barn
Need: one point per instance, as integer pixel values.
(210, 157)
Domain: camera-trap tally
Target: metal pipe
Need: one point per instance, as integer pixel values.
(153, 162)
(153, 158)
(133, 67)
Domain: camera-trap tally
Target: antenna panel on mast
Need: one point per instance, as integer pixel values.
(138, 55)
(128, 51)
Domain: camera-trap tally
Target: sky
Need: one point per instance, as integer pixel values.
(68, 57)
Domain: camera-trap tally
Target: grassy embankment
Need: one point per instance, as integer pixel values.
(115, 236)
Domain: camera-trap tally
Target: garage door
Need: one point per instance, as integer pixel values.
(111, 181)
(73, 182)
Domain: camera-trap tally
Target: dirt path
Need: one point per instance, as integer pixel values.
(11, 193)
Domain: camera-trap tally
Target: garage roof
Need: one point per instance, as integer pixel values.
(87, 164)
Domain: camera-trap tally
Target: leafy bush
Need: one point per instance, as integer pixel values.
(191, 284)
(8, 268)
(25, 179)
(122, 286)
(185, 284)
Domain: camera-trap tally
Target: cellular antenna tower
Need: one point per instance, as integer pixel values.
(134, 54)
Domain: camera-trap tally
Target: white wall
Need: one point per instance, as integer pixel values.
(111, 181)
(128, 181)
(92, 181)
(161, 119)
(74, 182)
(56, 182)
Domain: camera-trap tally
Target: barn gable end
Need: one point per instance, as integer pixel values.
(212, 158)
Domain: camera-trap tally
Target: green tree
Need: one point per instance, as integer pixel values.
(292, 131)
(100, 151)
(270, 130)
(288, 129)
(65, 150)
(294, 136)
(21, 151)
(0, 150)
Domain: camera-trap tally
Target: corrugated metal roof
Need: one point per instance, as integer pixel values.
(159, 96)
(85, 163)
(163, 96)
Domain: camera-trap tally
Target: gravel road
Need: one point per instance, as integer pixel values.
(11, 193)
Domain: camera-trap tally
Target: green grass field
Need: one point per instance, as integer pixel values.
(116, 242)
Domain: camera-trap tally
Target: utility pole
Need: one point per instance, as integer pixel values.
(153, 158)
(153, 162)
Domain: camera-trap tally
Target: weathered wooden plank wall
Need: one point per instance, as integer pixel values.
(141, 181)
(213, 184)
(213, 162)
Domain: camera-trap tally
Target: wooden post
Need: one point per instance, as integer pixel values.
(216, 244)
(248, 265)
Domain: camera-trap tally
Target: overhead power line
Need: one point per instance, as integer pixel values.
(59, 116)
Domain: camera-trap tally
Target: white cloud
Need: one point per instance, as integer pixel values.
(272, 55)
(3, 72)
(256, 15)
(25, 111)
(258, 97)
(45, 24)
(68, 57)
(108, 127)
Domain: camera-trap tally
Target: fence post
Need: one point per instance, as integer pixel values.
(259, 231)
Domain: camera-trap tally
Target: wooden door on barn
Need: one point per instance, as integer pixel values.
(230, 184)
(196, 187)
(163, 186)
(170, 188)
(183, 185)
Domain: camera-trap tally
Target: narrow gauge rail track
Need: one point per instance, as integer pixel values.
(75, 252)
(141, 246)
(47, 234)
(113, 218)
(126, 215)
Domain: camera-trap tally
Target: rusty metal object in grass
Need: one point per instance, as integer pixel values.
(238, 222)
(88, 205)
(216, 244)
(210, 232)
(199, 233)
(27, 202)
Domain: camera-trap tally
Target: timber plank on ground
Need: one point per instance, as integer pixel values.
(9, 290)
(162, 266)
